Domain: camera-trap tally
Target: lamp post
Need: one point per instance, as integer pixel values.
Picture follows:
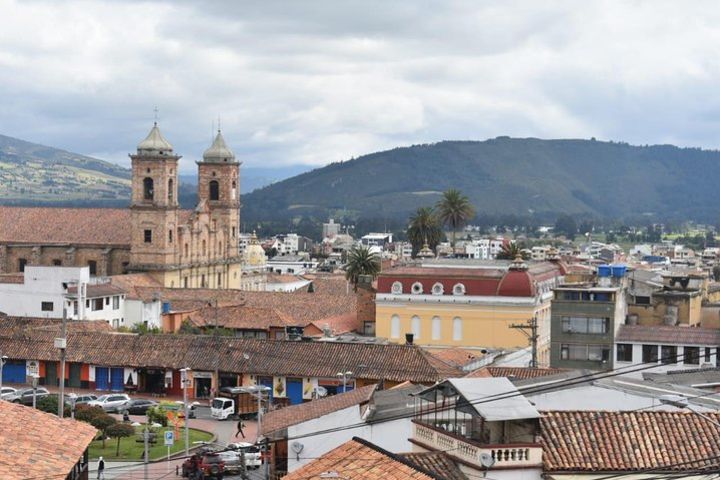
(3, 360)
(34, 387)
(184, 380)
(258, 391)
(344, 376)
(679, 401)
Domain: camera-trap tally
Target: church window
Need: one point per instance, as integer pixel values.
(21, 264)
(148, 188)
(148, 236)
(203, 247)
(92, 264)
(185, 282)
(170, 235)
(219, 280)
(57, 262)
(186, 254)
(220, 247)
(234, 189)
(214, 224)
(214, 190)
(170, 189)
(233, 232)
(202, 281)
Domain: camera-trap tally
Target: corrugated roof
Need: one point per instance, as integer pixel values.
(675, 335)
(494, 399)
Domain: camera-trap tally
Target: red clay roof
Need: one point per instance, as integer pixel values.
(519, 373)
(456, 356)
(39, 445)
(277, 420)
(100, 290)
(340, 324)
(361, 460)
(439, 463)
(668, 334)
(240, 317)
(73, 226)
(591, 441)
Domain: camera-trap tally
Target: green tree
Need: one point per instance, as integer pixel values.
(565, 225)
(361, 261)
(424, 228)
(454, 210)
(85, 413)
(120, 430)
(102, 423)
(49, 404)
(509, 251)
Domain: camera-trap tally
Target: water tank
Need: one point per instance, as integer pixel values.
(618, 271)
(165, 307)
(604, 270)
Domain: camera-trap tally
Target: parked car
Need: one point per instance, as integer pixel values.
(203, 466)
(25, 396)
(7, 391)
(110, 402)
(136, 406)
(75, 400)
(253, 456)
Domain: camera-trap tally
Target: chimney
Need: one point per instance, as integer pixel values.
(409, 338)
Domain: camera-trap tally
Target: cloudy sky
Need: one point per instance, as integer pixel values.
(320, 81)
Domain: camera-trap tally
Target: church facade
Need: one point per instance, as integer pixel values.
(180, 248)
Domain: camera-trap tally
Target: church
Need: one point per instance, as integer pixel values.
(179, 248)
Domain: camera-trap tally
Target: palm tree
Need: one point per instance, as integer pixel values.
(509, 251)
(361, 261)
(454, 210)
(424, 228)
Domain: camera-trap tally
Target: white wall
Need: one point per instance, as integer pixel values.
(42, 284)
(138, 312)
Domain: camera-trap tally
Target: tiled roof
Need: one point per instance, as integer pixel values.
(456, 356)
(446, 369)
(99, 290)
(206, 353)
(27, 325)
(439, 463)
(668, 334)
(586, 441)
(519, 373)
(17, 278)
(39, 445)
(73, 226)
(278, 420)
(133, 282)
(241, 317)
(331, 284)
(361, 460)
(340, 324)
(302, 306)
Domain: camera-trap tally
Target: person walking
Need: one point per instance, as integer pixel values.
(101, 469)
(240, 426)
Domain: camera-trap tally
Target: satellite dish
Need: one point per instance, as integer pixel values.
(297, 447)
(486, 460)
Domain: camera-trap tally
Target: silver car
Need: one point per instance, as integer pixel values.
(110, 402)
(7, 392)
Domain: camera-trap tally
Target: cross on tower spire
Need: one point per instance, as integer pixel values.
(155, 111)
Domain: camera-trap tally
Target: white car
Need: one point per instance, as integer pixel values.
(110, 402)
(7, 391)
(253, 456)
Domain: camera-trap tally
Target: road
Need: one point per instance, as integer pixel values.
(224, 431)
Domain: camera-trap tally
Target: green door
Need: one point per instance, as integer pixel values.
(51, 374)
(74, 381)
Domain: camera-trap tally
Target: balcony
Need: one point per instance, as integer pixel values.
(522, 455)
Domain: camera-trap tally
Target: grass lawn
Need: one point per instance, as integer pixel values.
(132, 450)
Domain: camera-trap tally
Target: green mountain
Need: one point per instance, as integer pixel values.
(520, 176)
(32, 174)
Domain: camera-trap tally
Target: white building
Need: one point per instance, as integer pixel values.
(379, 240)
(331, 229)
(293, 264)
(44, 291)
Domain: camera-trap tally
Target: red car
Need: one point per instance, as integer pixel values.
(203, 466)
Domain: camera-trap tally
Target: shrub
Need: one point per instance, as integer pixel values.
(85, 413)
(157, 415)
(120, 430)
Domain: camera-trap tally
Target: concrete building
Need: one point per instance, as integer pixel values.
(331, 229)
(291, 264)
(585, 320)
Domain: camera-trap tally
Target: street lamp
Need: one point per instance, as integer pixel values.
(3, 361)
(344, 376)
(679, 401)
(35, 378)
(184, 380)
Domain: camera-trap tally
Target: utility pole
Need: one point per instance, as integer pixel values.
(3, 359)
(146, 438)
(63, 346)
(184, 381)
(530, 331)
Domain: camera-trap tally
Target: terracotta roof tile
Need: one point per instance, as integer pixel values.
(341, 324)
(39, 445)
(241, 317)
(518, 373)
(439, 463)
(277, 420)
(585, 441)
(361, 460)
(456, 356)
(75, 226)
(668, 334)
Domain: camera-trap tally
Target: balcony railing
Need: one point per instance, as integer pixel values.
(506, 456)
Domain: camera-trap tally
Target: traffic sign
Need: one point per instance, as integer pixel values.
(169, 438)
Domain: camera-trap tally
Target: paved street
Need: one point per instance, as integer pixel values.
(225, 432)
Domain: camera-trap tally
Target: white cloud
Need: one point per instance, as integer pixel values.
(315, 82)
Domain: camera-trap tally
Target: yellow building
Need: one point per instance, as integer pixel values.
(467, 303)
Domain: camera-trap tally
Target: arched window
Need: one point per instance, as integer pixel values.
(457, 329)
(234, 189)
(415, 326)
(186, 251)
(204, 247)
(396, 288)
(438, 289)
(459, 289)
(436, 328)
(170, 236)
(171, 191)
(219, 248)
(214, 190)
(148, 188)
(395, 327)
(417, 288)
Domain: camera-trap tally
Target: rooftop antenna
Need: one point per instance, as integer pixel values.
(218, 123)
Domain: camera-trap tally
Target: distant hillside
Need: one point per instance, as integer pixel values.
(35, 174)
(505, 176)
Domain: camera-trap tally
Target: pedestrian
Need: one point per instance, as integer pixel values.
(240, 427)
(101, 469)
